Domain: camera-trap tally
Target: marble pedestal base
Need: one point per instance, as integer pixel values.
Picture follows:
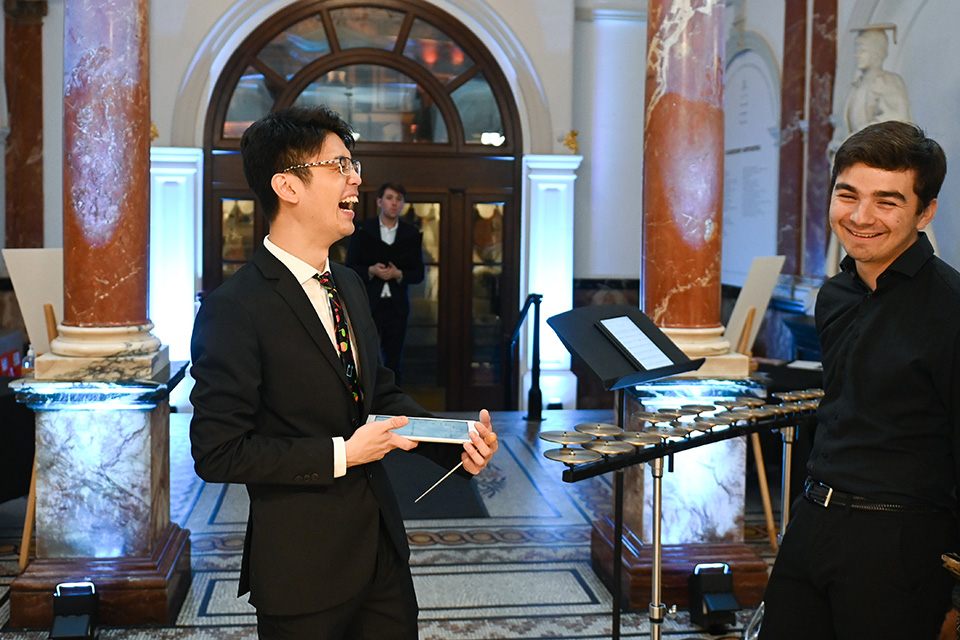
(103, 501)
(156, 365)
(133, 591)
(728, 365)
(678, 561)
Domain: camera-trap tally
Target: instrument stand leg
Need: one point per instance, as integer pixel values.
(657, 608)
(788, 433)
(617, 551)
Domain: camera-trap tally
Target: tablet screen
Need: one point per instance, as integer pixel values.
(433, 429)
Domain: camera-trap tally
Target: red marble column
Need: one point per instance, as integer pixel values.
(805, 134)
(106, 178)
(823, 65)
(793, 95)
(23, 38)
(106, 163)
(683, 167)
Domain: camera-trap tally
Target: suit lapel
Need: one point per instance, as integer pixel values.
(290, 290)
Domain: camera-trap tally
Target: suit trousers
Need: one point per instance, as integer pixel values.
(386, 610)
(849, 574)
(392, 327)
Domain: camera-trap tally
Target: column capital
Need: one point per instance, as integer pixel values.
(27, 11)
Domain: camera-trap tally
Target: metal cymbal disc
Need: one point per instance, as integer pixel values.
(750, 401)
(565, 437)
(646, 416)
(781, 409)
(665, 415)
(609, 447)
(699, 408)
(705, 423)
(667, 432)
(572, 456)
(737, 415)
(598, 429)
(638, 438)
(717, 418)
(788, 396)
(730, 404)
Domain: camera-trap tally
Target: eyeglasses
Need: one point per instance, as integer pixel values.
(345, 165)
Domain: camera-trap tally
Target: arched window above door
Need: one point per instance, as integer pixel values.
(392, 69)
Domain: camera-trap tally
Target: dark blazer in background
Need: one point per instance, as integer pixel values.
(406, 252)
(270, 395)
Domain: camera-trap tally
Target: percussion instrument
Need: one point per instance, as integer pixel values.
(662, 433)
(657, 435)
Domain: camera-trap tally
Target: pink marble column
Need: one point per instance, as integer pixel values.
(106, 180)
(683, 168)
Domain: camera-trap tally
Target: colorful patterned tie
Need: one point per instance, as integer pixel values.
(341, 333)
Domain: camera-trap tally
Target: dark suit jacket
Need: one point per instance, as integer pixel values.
(406, 252)
(270, 395)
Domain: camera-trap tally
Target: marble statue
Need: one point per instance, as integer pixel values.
(875, 95)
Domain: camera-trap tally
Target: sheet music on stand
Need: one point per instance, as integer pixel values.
(620, 345)
(634, 343)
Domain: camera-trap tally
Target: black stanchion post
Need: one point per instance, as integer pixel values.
(535, 396)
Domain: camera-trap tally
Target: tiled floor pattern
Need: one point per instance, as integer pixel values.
(521, 573)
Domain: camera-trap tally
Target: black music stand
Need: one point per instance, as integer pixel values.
(619, 361)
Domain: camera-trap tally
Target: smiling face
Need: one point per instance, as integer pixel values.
(876, 215)
(328, 195)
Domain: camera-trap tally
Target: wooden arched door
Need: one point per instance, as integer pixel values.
(432, 111)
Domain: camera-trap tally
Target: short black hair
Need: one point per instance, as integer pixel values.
(396, 186)
(285, 138)
(896, 146)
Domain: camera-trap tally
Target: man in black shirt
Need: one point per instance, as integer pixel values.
(861, 555)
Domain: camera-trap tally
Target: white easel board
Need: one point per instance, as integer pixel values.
(37, 277)
(756, 293)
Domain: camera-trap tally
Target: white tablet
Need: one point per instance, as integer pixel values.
(433, 429)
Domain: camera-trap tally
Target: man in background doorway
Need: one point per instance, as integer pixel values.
(387, 252)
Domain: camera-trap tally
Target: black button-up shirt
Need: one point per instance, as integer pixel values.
(889, 422)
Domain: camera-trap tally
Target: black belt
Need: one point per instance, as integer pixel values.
(827, 496)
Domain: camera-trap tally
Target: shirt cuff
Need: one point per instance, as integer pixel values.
(339, 457)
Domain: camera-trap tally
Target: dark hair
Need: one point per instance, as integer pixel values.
(285, 138)
(391, 185)
(895, 146)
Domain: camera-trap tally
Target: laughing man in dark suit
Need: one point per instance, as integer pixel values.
(275, 406)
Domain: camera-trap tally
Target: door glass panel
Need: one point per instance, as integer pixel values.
(382, 104)
(486, 334)
(366, 27)
(420, 353)
(251, 100)
(296, 47)
(479, 112)
(436, 51)
(237, 231)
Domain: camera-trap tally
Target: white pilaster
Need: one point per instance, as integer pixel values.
(548, 244)
(175, 212)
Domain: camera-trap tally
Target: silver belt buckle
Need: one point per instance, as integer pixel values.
(826, 501)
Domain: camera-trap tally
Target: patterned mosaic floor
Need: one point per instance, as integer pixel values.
(523, 572)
